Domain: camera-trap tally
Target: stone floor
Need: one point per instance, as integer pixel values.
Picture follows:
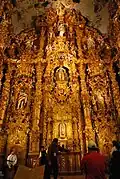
(37, 173)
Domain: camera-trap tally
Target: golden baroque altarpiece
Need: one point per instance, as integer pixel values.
(58, 82)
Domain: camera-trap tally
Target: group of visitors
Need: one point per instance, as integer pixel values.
(94, 164)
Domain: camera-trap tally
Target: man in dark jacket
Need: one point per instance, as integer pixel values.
(52, 161)
(115, 164)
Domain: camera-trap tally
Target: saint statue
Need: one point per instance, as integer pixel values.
(22, 99)
(62, 130)
(61, 30)
(61, 74)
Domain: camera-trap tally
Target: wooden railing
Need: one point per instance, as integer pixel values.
(69, 163)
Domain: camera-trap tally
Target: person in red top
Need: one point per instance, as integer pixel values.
(94, 163)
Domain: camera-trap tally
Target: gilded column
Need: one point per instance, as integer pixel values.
(44, 134)
(86, 106)
(84, 94)
(114, 32)
(79, 34)
(49, 131)
(75, 128)
(35, 132)
(4, 39)
(1, 69)
(5, 96)
(72, 40)
(115, 92)
(3, 108)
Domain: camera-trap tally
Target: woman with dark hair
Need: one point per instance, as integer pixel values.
(42, 156)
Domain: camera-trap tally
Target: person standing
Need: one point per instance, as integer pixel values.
(94, 163)
(52, 161)
(42, 156)
(11, 164)
(115, 163)
(114, 148)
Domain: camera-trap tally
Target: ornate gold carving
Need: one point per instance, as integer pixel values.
(58, 85)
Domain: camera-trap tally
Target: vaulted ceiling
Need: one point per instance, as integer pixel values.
(25, 10)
